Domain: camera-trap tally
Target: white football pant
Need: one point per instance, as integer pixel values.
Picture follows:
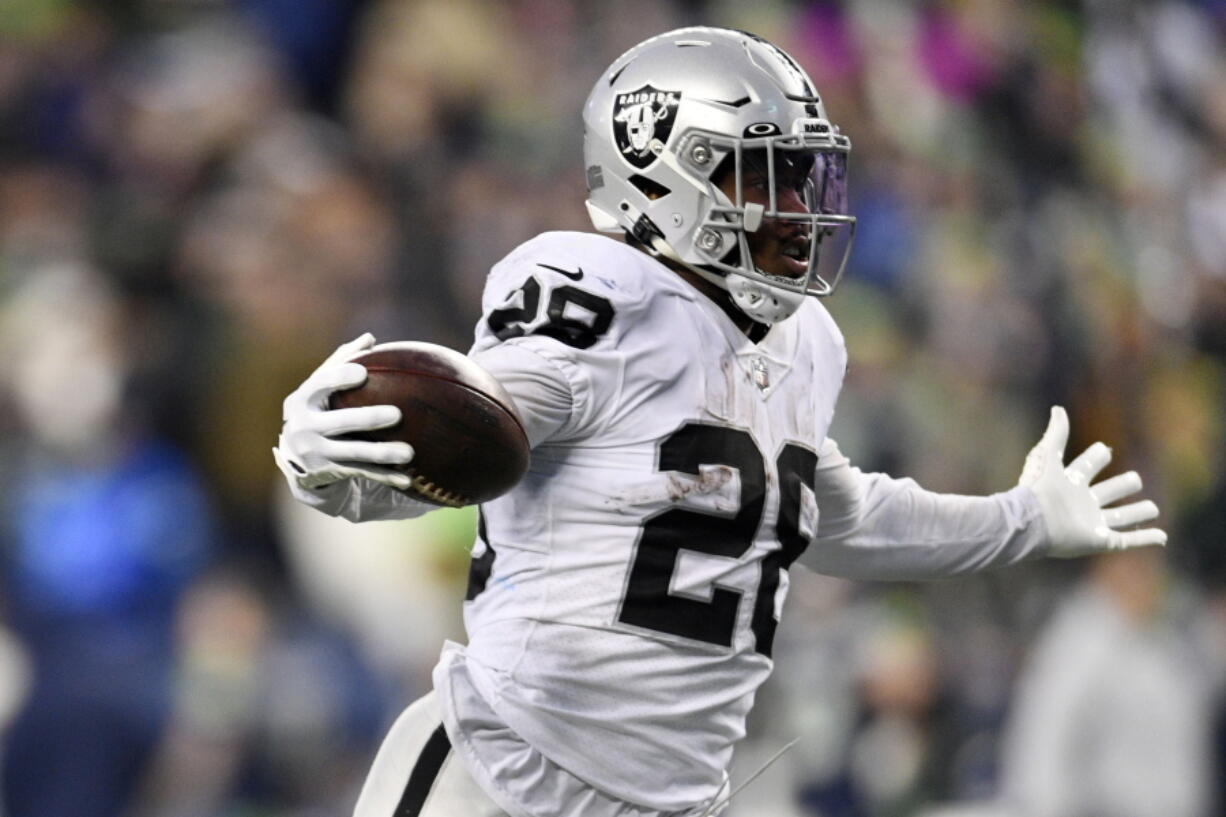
(415, 773)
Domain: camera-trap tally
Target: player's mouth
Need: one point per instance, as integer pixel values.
(794, 255)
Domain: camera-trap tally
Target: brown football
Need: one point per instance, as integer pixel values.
(469, 443)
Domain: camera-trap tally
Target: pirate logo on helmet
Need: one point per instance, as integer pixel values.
(642, 121)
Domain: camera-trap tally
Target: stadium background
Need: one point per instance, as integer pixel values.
(199, 199)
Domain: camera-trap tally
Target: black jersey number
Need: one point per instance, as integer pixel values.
(648, 601)
(574, 316)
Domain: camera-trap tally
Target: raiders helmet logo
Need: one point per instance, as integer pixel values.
(642, 122)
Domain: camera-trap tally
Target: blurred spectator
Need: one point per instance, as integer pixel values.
(386, 573)
(293, 248)
(106, 525)
(275, 713)
(1113, 713)
(224, 628)
(863, 692)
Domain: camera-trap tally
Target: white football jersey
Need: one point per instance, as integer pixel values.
(625, 594)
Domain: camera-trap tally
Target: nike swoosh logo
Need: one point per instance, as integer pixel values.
(574, 276)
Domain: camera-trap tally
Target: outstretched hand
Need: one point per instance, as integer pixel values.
(308, 451)
(1078, 519)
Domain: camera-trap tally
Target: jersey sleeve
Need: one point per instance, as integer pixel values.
(553, 314)
(542, 391)
(873, 526)
(360, 500)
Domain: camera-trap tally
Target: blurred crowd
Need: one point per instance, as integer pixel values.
(199, 199)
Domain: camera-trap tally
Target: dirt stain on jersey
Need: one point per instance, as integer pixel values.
(710, 480)
(711, 487)
(720, 389)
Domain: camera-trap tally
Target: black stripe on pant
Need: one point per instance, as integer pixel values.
(424, 773)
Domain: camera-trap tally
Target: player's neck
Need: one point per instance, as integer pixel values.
(754, 330)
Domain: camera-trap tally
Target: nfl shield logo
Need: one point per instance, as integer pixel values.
(761, 375)
(642, 122)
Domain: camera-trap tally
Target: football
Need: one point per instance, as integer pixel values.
(469, 444)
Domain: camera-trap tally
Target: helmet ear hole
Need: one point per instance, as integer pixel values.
(649, 187)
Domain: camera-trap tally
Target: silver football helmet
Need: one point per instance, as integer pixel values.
(684, 112)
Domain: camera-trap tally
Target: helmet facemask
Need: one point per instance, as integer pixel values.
(723, 246)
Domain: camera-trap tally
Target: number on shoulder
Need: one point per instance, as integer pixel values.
(568, 313)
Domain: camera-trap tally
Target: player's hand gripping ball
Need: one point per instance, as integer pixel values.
(469, 444)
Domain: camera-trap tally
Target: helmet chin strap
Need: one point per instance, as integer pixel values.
(661, 247)
(762, 303)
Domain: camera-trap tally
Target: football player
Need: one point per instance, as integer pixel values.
(676, 387)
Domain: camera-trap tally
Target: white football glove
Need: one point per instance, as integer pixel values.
(1078, 523)
(307, 452)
